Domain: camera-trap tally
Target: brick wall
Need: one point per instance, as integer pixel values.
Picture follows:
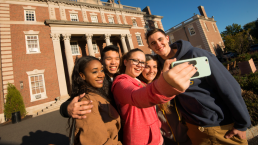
(135, 43)
(23, 62)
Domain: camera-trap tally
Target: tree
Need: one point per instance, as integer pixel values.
(14, 102)
(231, 30)
(237, 43)
(253, 27)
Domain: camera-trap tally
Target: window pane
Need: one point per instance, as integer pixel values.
(32, 78)
(33, 91)
(41, 90)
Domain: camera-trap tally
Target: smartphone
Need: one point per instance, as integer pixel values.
(201, 63)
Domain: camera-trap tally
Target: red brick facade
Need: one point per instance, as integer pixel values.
(17, 61)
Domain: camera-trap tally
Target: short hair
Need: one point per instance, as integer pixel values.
(152, 31)
(109, 48)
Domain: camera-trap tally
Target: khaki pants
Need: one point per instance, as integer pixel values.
(212, 135)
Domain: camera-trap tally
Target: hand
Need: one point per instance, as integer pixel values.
(179, 76)
(235, 132)
(77, 109)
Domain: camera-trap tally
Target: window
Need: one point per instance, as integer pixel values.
(214, 47)
(95, 47)
(156, 25)
(139, 39)
(74, 17)
(172, 39)
(147, 25)
(37, 85)
(134, 22)
(214, 27)
(191, 30)
(32, 43)
(75, 48)
(94, 19)
(206, 27)
(111, 20)
(30, 15)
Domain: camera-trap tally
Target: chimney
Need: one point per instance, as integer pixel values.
(147, 10)
(202, 11)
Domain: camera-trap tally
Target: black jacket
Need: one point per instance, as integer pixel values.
(214, 100)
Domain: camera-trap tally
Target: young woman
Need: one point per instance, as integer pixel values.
(136, 100)
(103, 123)
(174, 132)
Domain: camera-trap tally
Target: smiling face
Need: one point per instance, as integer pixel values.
(93, 74)
(150, 70)
(132, 69)
(111, 62)
(158, 42)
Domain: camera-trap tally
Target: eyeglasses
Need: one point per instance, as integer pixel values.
(138, 62)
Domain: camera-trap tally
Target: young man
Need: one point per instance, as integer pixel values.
(212, 107)
(110, 60)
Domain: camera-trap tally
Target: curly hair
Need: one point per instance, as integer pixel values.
(80, 86)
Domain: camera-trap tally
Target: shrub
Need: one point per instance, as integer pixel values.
(243, 81)
(243, 57)
(251, 101)
(253, 82)
(14, 102)
(255, 56)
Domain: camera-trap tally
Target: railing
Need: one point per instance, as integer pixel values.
(180, 24)
(130, 8)
(107, 4)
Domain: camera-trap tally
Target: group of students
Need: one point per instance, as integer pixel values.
(153, 103)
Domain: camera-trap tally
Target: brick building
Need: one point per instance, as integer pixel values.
(201, 31)
(40, 40)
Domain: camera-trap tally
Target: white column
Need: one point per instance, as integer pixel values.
(59, 64)
(84, 14)
(89, 43)
(129, 38)
(118, 18)
(122, 37)
(102, 16)
(107, 39)
(68, 54)
(123, 16)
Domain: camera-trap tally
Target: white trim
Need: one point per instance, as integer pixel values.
(31, 32)
(93, 14)
(113, 21)
(110, 16)
(134, 20)
(25, 18)
(36, 72)
(94, 43)
(205, 25)
(73, 11)
(189, 29)
(156, 24)
(29, 8)
(96, 18)
(214, 27)
(27, 49)
(76, 15)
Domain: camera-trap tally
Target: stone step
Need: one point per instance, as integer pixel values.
(50, 108)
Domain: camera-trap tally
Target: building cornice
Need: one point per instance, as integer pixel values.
(94, 6)
(61, 22)
(153, 16)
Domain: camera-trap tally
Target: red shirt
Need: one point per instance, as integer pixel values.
(136, 105)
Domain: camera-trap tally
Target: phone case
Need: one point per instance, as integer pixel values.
(201, 63)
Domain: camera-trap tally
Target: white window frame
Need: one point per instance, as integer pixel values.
(74, 16)
(156, 24)
(25, 14)
(191, 29)
(139, 35)
(147, 25)
(134, 22)
(172, 39)
(214, 27)
(94, 44)
(27, 47)
(205, 25)
(36, 72)
(112, 20)
(94, 15)
(77, 47)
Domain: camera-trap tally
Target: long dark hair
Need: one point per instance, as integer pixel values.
(80, 86)
(148, 58)
(126, 57)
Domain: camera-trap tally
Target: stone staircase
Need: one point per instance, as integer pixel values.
(50, 107)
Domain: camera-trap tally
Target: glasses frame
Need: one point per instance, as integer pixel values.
(137, 62)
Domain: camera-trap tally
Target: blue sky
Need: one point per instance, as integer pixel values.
(225, 12)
